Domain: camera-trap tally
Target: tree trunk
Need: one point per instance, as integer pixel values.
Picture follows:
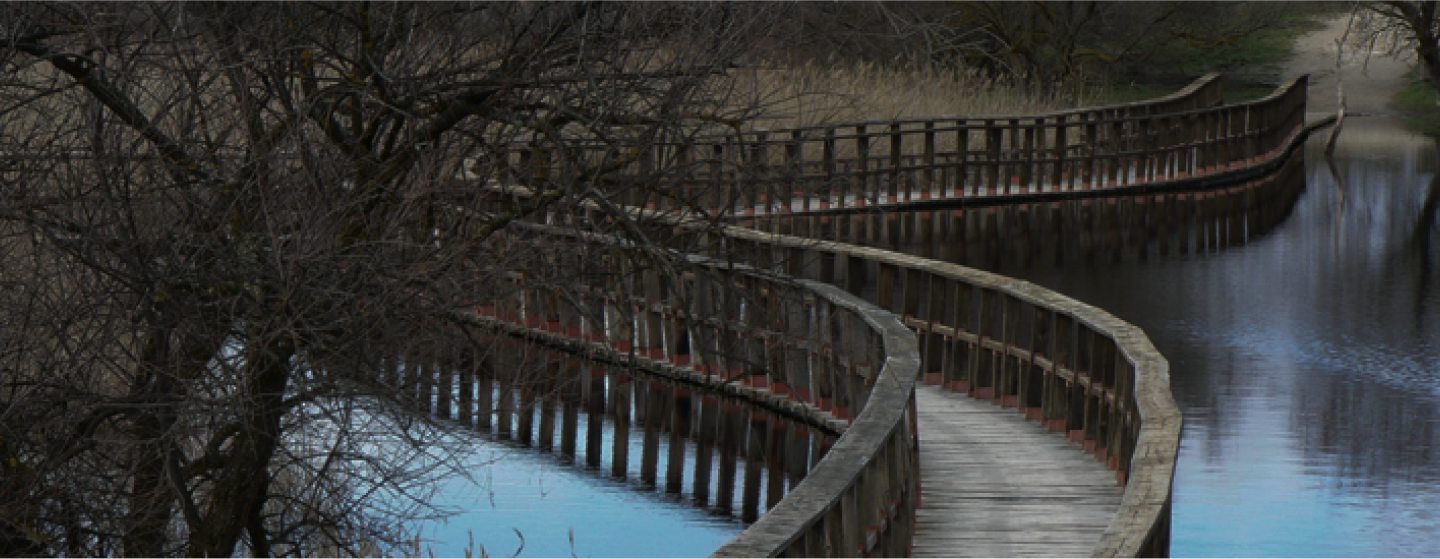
(241, 488)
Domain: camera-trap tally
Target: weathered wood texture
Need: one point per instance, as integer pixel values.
(1094, 380)
(1075, 369)
(818, 355)
(1182, 138)
(995, 485)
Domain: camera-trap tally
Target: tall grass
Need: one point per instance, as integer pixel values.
(812, 94)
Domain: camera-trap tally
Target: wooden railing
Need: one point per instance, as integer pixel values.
(800, 348)
(854, 166)
(1076, 369)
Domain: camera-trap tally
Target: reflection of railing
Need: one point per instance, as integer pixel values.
(798, 348)
(1074, 368)
(1121, 225)
(530, 381)
(1184, 136)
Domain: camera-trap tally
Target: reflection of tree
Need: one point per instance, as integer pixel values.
(1414, 251)
(1095, 233)
(1419, 242)
(236, 214)
(1338, 419)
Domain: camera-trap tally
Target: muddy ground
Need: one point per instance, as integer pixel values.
(1369, 84)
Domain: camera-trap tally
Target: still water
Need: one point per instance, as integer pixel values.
(522, 502)
(1306, 361)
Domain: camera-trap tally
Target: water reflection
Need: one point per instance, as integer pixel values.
(1304, 341)
(591, 458)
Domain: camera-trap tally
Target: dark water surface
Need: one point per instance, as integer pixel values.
(527, 503)
(1306, 361)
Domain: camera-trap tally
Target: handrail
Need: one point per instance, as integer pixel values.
(1075, 368)
(848, 368)
(1065, 374)
(1172, 138)
(1078, 370)
(877, 456)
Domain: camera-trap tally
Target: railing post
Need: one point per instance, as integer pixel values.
(1061, 149)
(862, 164)
(993, 137)
(962, 156)
(928, 160)
(897, 143)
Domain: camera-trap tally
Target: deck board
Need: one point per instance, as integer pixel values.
(995, 485)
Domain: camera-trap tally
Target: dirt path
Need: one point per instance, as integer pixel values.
(1368, 87)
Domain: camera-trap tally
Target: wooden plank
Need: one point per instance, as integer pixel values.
(996, 485)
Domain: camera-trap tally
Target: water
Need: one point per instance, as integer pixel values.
(523, 502)
(519, 500)
(547, 502)
(1306, 361)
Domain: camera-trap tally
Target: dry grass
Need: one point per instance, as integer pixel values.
(815, 94)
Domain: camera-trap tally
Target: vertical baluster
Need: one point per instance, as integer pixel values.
(962, 157)
(620, 398)
(570, 384)
(465, 399)
(680, 414)
(445, 393)
(731, 435)
(594, 415)
(775, 446)
(704, 443)
(993, 137)
(655, 410)
(897, 141)
(927, 160)
(506, 364)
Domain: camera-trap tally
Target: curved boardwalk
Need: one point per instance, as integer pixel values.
(995, 485)
(1085, 465)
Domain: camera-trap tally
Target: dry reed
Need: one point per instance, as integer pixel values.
(812, 94)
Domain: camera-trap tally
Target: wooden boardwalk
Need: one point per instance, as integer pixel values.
(995, 485)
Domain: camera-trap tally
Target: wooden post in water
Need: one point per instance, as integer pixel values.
(620, 397)
(704, 442)
(650, 446)
(525, 408)
(465, 402)
(776, 444)
(594, 415)
(680, 414)
(484, 391)
(423, 371)
(507, 376)
(570, 383)
(754, 463)
(551, 371)
(445, 395)
(731, 433)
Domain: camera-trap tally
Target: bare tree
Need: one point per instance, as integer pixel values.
(1051, 44)
(1402, 27)
(221, 222)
